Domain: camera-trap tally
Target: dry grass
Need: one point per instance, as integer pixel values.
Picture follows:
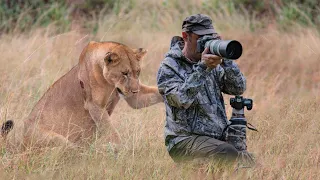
(283, 76)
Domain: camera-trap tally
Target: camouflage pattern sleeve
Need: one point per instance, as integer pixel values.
(232, 81)
(177, 90)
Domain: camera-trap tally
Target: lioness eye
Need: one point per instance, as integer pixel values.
(125, 73)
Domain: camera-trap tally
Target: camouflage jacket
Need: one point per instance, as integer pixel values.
(192, 95)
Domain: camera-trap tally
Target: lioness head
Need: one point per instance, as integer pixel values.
(120, 65)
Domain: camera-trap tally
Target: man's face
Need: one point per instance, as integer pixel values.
(191, 43)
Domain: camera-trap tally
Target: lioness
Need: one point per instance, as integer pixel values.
(81, 102)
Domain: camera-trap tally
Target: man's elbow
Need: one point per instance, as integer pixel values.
(243, 86)
(235, 90)
(240, 86)
(241, 90)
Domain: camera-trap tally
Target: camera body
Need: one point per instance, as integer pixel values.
(238, 102)
(230, 49)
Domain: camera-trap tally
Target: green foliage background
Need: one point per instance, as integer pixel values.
(20, 15)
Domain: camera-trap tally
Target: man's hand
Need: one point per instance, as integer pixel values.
(210, 60)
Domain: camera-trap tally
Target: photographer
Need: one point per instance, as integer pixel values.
(191, 83)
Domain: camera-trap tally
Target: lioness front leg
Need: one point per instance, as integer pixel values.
(146, 96)
(102, 120)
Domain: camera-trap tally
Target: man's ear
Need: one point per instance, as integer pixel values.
(111, 59)
(184, 36)
(139, 53)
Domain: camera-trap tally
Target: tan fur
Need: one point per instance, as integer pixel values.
(81, 102)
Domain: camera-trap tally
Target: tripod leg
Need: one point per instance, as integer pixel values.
(246, 160)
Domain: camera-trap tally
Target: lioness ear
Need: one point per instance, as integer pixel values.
(111, 59)
(140, 53)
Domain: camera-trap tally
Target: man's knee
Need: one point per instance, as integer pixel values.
(227, 150)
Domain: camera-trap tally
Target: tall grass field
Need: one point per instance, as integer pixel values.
(283, 78)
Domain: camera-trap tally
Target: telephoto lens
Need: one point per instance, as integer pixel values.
(230, 49)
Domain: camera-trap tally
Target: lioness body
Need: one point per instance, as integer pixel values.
(80, 102)
(61, 109)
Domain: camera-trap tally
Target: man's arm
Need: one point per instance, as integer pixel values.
(232, 81)
(177, 91)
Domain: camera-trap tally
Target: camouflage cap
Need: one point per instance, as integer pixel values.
(199, 24)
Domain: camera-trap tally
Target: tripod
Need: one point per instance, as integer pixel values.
(236, 130)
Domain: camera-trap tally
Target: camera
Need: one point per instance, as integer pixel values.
(238, 102)
(230, 49)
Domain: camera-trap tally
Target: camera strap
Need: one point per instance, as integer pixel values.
(252, 127)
